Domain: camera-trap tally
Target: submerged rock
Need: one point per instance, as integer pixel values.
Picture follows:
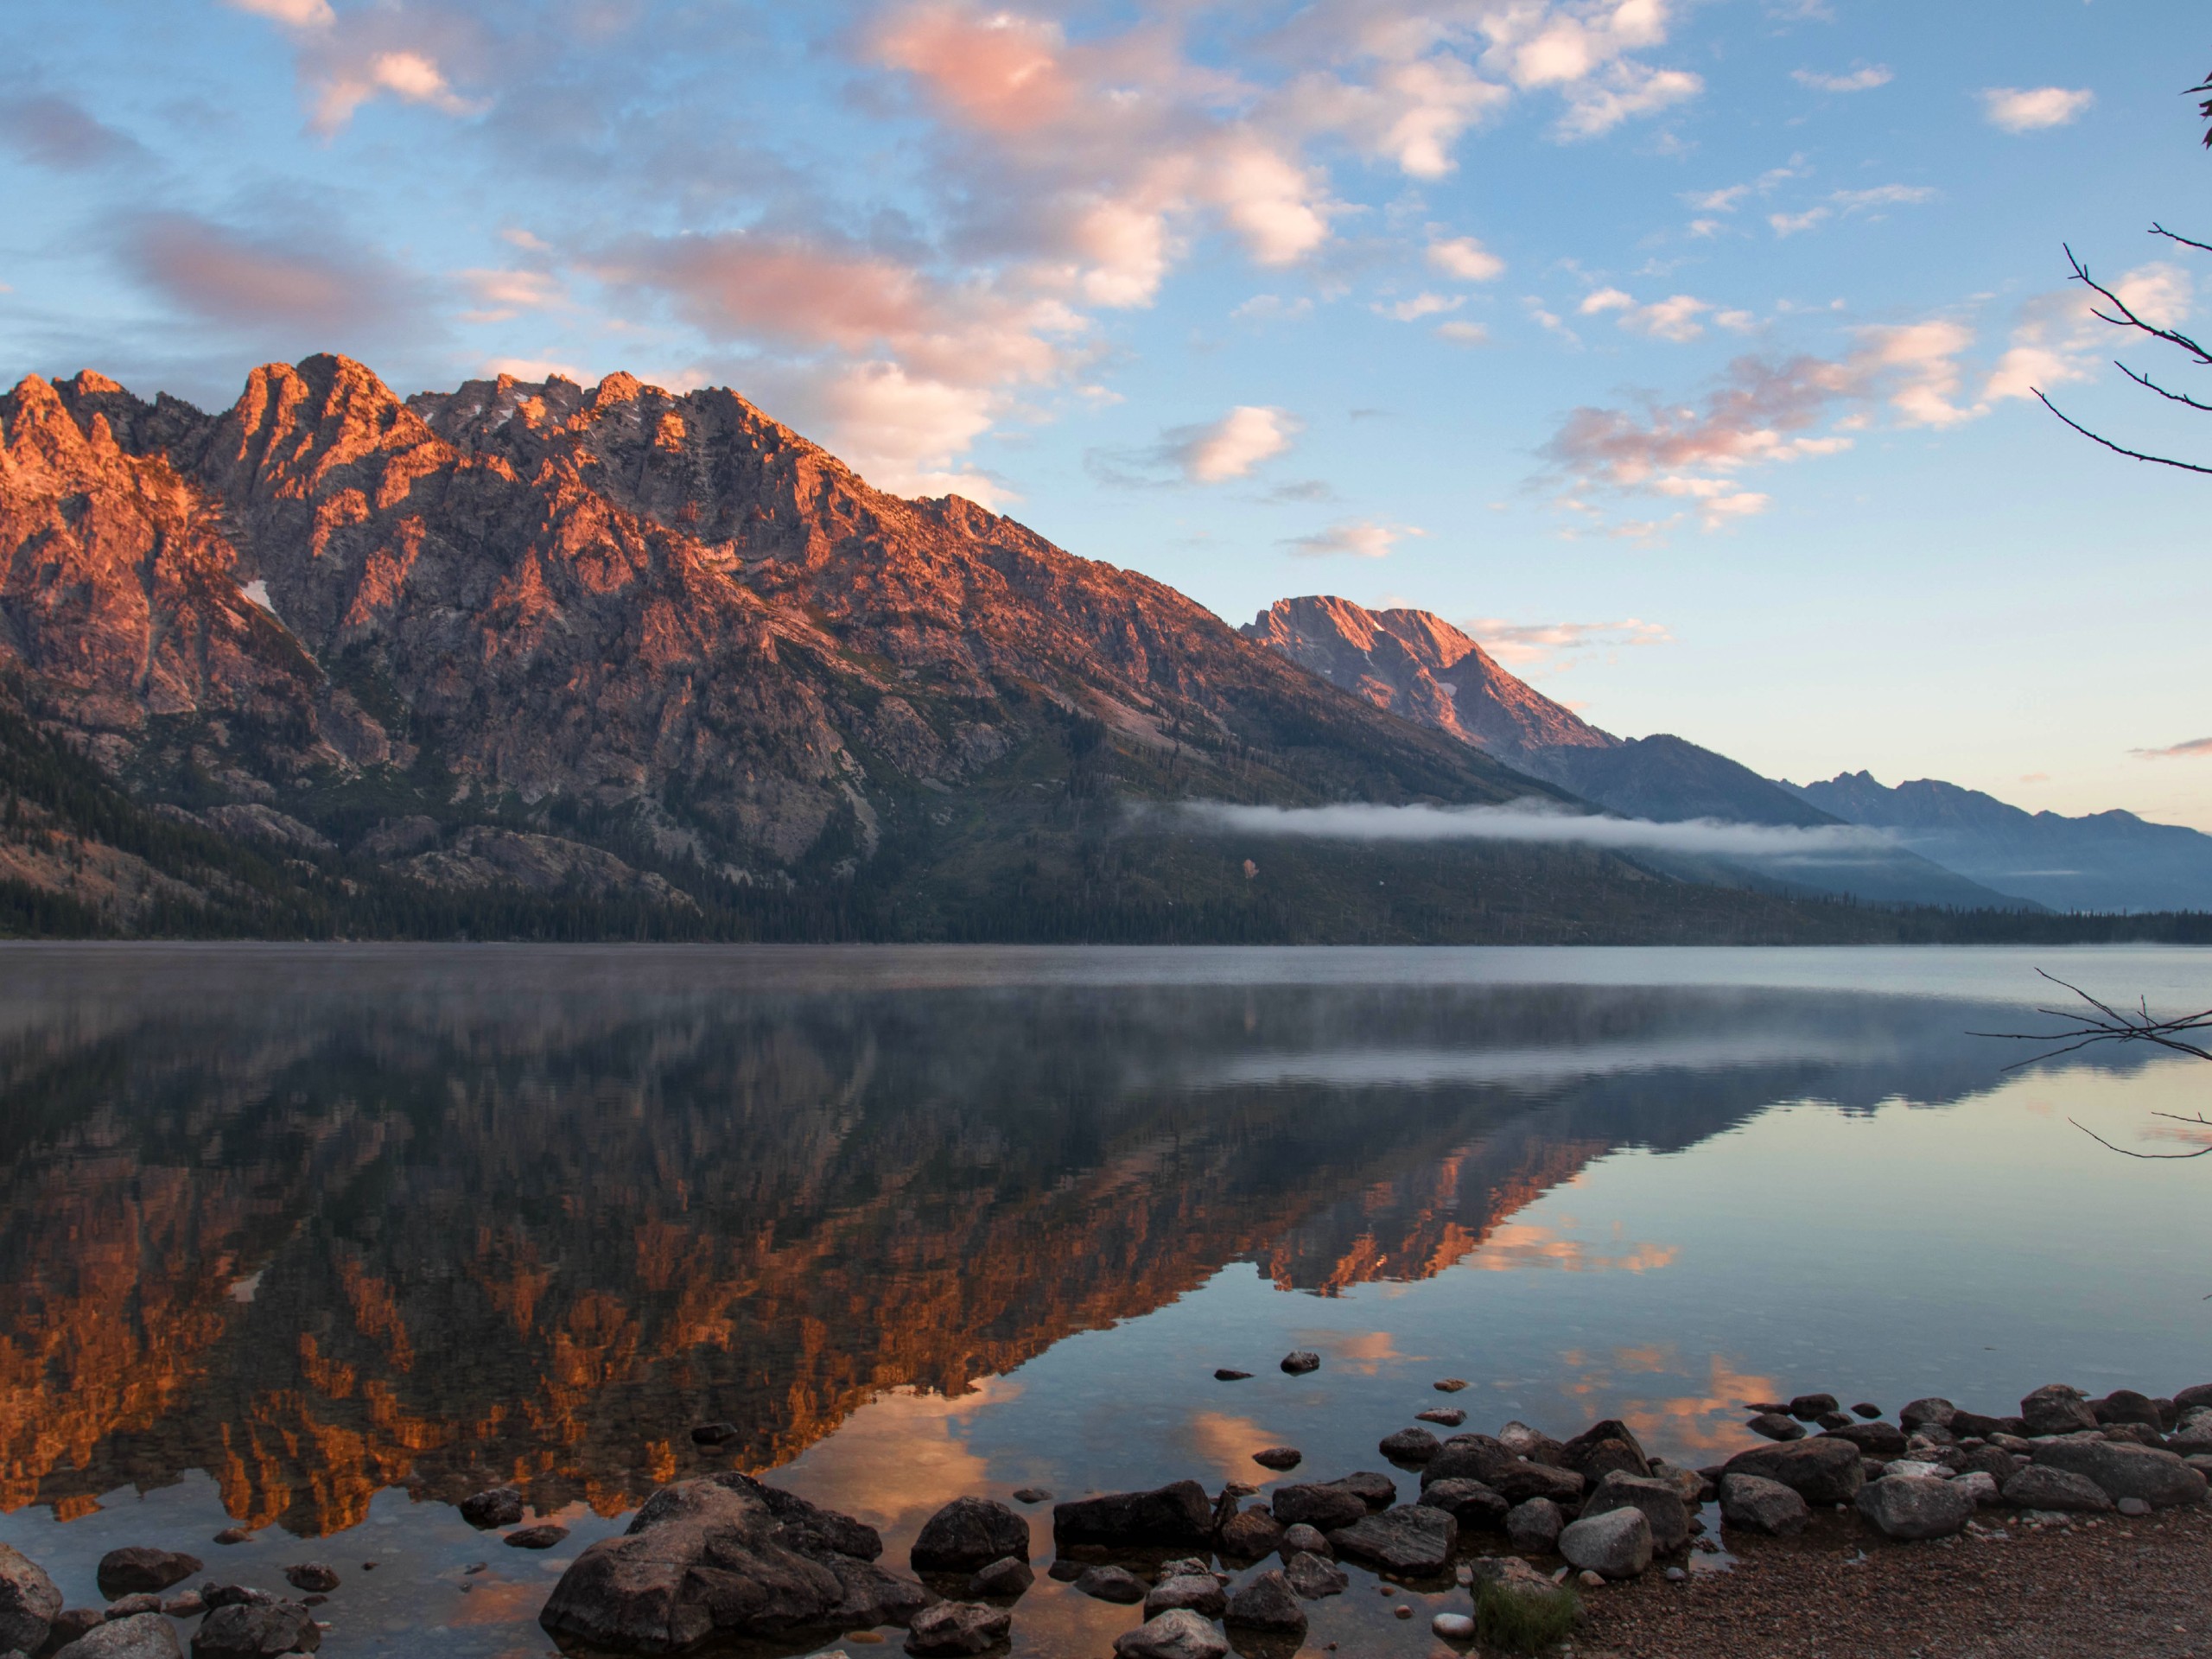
(1253, 1532)
(1448, 1416)
(246, 1630)
(1177, 1633)
(1267, 1603)
(957, 1627)
(544, 1535)
(1279, 1457)
(1110, 1584)
(1176, 1515)
(1413, 1539)
(1007, 1576)
(1200, 1592)
(1777, 1427)
(966, 1534)
(1299, 1361)
(1326, 1505)
(318, 1577)
(137, 1570)
(726, 1556)
(1314, 1576)
(500, 1507)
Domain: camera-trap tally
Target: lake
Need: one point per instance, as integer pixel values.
(318, 1241)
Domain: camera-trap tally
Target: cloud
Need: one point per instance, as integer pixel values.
(503, 295)
(1883, 196)
(1544, 823)
(1362, 538)
(536, 370)
(2058, 337)
(2197, 748)
(1857, 80)
(1232, 445)
(293, 14)
(1462, 333)
(1792, 224)
(1213, 452)
(1625, 91)
(1538, 647)
(1421, 305)
(2018, 111)
(1673, 319)
(56, 133)
(306, 283)
(1466, 259)
(411, 77)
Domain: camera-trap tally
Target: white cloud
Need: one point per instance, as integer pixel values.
(1466, 259)
(1421, 305)
(1792, 224)
(502, 295)
(1857, 80)
(536, 370)
(2058, 338)
(1607, 299)
(293, 14)
(1673, 319)
(2017, 110)
(1541, 647)
(1883, 196)
(1541, 821)
(1362, 538)
(411, 77)
(1232, 445)
(1462, 333)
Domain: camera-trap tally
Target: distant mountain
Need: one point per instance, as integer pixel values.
(540, 659)
(1416, 663)
(2105, 862)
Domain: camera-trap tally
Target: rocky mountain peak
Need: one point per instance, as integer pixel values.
(1416, 664)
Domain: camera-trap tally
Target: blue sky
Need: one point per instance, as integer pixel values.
(1683, 352)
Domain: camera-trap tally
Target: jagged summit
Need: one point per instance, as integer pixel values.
(1416, 663)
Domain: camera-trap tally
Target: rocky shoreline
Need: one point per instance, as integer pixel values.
(1524, 1526)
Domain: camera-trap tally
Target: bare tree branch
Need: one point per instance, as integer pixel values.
(2132, 454)
(2110, 1025)
(2127, 319)
(2146, 380)
(2157, 229)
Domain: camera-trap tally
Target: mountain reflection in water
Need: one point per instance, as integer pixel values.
(323, 1224)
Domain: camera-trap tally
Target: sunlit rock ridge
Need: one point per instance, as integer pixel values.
(368, 660)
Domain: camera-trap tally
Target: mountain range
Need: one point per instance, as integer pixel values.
(1947, 845)
(539, 659)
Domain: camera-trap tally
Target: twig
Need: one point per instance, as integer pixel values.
(2146, 380)
(2132, 454)
(2127, 319)
(2157, 229)
(2152, 1157)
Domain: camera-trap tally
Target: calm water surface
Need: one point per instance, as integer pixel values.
(320, 1241)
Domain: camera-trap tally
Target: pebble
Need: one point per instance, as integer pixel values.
(1450, 1416)
(1454, 1627)
(2133, 1506)
(1450, 1385)
(1031, 1494)
(1224, 1375)
(1403, 1610)
(233, 1535)
(1677, 1575)
(1590, 1580)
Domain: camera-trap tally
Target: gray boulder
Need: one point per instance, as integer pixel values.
(2193, 1434)
(1176, 1515)
(1314, 1576)
(2039, 1486)
(1757, 1504)
(1375, 1490)
(1809, 1407)
(1326, 1505)
(1915, 1506)
(1252, 1532)
(1469, 1502)
(139, 1570)
(1872, 1440)
(1600, 1451)
(1111, 1584)
(1776, 1427)
(725, 1556)
(2121, 1470)
(1298, 1361)
(1533, 1526)
(246, 1630)
(142, 1636)
(1981, 1488)
(500, 1507)
(1200, 1592)
(29, 1603)
(2188, 1399)
(1615, 1545)
(1310, 1540)
(1919, 1414)
(131, 1606)
(1470, 1457)
(1176, 1633)
(2054, 1409)
(1410, 1446)
(1413, 1539)
(1819, 1470)
(953, 1627)
(1008, 1576)
(1267, 1603)
(966, 1534)
(1661, 1505)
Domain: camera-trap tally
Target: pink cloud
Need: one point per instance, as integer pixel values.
(303, 282)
